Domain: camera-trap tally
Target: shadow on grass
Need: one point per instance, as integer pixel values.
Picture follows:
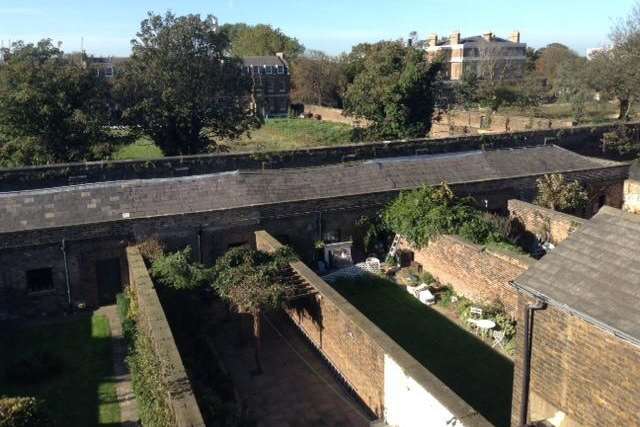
(467, 365)
(80, 390)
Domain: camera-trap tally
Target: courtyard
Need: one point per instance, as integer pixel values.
(67, 363)
(466, 364)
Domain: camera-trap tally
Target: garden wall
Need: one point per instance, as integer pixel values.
(478, 273)
(151, 321)
(632, 196)
(582, 139)
(387, 379)
(334, 115)
(546, 224)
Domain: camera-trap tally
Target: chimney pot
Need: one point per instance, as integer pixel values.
(488, 36)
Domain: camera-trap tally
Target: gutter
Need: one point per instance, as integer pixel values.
(529, 311)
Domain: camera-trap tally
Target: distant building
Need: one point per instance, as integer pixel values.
(487, 56)
(271, 84)
(105, 66)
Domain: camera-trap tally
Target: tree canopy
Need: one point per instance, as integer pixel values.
(393, 89)
(317, 78)
(554, 192)
(52, 109)
(256, 40)
(181, 86)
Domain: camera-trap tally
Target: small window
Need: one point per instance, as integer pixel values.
(269, 69)
(40, 279)
(280, 69)
(283, 86)
(108, 71)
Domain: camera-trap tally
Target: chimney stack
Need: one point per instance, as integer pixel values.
(454, 38)
(432, 40)
(280, 55)
(515, 37)
(488, 36)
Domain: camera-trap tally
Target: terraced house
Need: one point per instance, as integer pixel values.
(270, 84)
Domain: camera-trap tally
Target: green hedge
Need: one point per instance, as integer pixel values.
(151, 392)
(23, 412)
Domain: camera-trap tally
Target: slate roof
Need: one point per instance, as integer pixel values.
(259, 61)
(473, 39)
(142, 198)
(595, 273)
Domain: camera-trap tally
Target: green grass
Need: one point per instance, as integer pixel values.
(274, 135)
(477, 373)
(81, 394)
(289, 134)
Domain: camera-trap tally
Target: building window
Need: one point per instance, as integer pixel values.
(269, 69)
(283, 86)
(108, 71)
(280, 69)
(40, 279)
(270, 86)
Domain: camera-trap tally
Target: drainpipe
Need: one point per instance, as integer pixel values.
(67, 279)
(529, 310)
(200, 245)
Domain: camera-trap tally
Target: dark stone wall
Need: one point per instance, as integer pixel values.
(582, 139)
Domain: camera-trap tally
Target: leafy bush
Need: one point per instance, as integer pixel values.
(151, 249)
(554, 192)
(23, 412)
(34, 367)
(128, 323)
(179, 271)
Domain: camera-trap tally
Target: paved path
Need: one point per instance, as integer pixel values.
(296, 388)
(121, 377)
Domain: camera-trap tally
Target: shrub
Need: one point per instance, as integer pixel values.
(23, 412)
(128, 323)
(151, 249)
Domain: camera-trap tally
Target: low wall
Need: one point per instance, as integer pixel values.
(151, 320)
(582, 139)
(546, 224)
(632, 196)
(480, 274)
(334, 115)
(387, 379)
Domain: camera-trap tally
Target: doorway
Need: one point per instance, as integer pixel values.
(109, 280)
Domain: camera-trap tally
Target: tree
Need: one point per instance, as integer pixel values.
(550, 58)
(317, 79)
(615, 72)
(182, 88)
(572, 86)
(178, 271)
(254, 282)
(247, 40)
(554, 192)
(394, 91)
(51, 109)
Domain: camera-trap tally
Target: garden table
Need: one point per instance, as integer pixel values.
(484, 325)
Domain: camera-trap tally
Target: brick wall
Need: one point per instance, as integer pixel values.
(632, 196)
(579, 369)
(479, 274)
(359, 350)
(547, 224)
(151, 320)
(582, 139)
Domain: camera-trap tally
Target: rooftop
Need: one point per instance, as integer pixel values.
(144, 198)
(259, 61)
(595, 273)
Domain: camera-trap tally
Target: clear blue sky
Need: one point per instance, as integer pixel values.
(329, 25)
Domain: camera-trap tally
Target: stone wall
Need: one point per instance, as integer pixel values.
(335, 115)
(478, 273)
(582, 139)
(151, 320)
(546, 224)
(632, 196)
(580, 373)
(376, 367)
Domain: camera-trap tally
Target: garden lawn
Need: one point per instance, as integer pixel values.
(82, 393)
(474, 371)
(142, 149)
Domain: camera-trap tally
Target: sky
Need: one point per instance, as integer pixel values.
(329, 25)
